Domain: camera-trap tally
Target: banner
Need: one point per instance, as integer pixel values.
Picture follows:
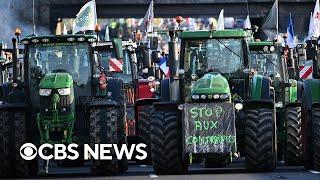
(209, 127)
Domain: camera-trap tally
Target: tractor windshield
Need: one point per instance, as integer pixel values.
(224, 56)
(72, 58)
(117, 68)
(266, 64)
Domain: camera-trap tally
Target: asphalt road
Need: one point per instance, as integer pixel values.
(235, 171)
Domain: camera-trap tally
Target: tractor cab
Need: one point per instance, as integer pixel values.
(265, 59)
(60, 95)
(214, 107)
(211, 57)
(116, 60)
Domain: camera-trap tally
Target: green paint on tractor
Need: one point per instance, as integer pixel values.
(256, 86)
(211, 84)
(292, 92)
(55, 119)
(230, 33)
(56, 80)
(260, 44)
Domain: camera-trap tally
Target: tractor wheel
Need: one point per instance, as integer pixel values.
(260, 140)
(103, 130)
(12, 137)
(123, 163)
(143, 130)
(316, 137)
(217, 160)
(166, 143)
(294, 150)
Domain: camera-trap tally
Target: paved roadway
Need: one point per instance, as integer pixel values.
(235, 171)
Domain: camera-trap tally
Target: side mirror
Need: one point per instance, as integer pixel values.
(156, 56)
(145, 59)
(154, 43)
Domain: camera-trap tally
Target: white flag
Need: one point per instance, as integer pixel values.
(247, 23)
(106, 35)
(271, 23)
(316, 21)
(147, 23)
(86, 18)
(310, 32)
(65, 32)
(220, 25)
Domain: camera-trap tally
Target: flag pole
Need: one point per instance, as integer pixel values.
(277, 17)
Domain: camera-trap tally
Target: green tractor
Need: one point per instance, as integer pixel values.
(268, 58)
(216, 108)
(62, 96)
(311, 104)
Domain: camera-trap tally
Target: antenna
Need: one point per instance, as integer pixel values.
(248, 13)
(33, 21)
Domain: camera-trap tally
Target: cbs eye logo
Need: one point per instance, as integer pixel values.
(28, 151)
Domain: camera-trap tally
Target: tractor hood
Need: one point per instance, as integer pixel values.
(56, 81)
(211, 84)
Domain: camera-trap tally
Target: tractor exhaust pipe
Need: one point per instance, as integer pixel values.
(15, 61)
(173, 65)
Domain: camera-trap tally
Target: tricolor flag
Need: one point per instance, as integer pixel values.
(271, 23)
(147, 22)
(290, 34)
(163, 66)
(86, 19)
(220, 25)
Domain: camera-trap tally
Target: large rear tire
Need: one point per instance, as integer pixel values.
(143, 130)
(294, 150)
(103, 130)
(316, 137)
(166, 143)
(13, 135)
(123, 163)
(260, 139)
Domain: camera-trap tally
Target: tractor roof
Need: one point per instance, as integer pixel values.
(59, 39)
(261, 43)
(228, 33)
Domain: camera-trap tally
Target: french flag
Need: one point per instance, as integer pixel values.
(163, 66)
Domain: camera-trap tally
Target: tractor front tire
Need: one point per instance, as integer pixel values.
(103, 130)
(294, 150)
(12, 137)
(166, 143)
(143, 130)
(316, 137)
(260, 139)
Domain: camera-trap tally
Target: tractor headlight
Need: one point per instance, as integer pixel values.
(45, 92)
(238, 106)
(64, 91)
(216, 96)
(224, 96)
(272, 48)
(203, 96)
(196, 97)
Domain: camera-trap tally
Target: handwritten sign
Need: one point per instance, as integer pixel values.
(209, 127)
